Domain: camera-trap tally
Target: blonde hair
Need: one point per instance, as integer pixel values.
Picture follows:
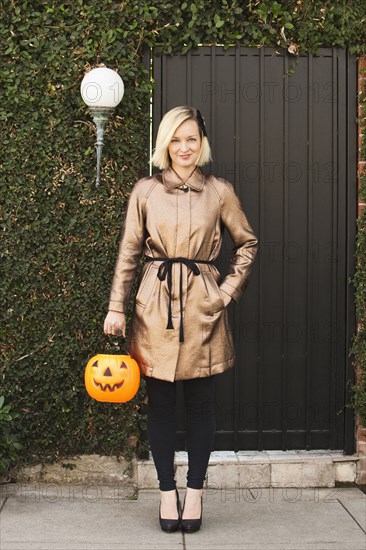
(168, 125)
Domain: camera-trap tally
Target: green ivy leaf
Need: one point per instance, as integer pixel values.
(218, 22)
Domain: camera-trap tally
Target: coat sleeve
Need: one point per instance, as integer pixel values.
(246, 243)
(129, 251)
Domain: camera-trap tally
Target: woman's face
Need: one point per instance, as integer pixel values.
(185, 145)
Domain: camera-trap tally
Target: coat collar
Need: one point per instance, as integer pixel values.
(195, 181)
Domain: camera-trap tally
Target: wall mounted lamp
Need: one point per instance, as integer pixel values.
(102, 90)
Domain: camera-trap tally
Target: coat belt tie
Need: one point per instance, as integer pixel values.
(165, 271)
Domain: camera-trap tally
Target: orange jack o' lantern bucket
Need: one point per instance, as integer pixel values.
(112, 378)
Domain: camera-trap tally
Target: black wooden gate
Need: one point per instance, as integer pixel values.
(288, 144)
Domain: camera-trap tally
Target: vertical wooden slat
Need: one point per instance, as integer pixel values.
(260, 260)
(341, 337)
(164, 86)
(236, 384)
(351, 186)
(188, 79)
(284, 262)
(334, 332)
(213, 100)
(237, 119)
(309, 253)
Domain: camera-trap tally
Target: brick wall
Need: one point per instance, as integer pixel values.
(360, 431)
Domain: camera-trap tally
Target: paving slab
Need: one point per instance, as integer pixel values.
(280, 519)
(92, 517)
(48, 521)
(354, 501)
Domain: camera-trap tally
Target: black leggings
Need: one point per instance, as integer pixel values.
(200, 428)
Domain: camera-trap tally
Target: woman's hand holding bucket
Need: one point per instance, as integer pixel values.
(115, 324)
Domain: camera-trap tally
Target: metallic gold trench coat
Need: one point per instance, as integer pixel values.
(164, 221)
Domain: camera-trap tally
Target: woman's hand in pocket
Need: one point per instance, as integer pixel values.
(226, 298)
(115, 324)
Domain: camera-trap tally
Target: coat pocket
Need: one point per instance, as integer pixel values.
(216, 302)
(147, 285)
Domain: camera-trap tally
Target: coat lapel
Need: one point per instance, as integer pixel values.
(171, 181)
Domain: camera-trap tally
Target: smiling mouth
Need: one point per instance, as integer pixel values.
(106, 387)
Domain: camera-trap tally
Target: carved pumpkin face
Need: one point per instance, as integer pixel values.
(112, 378)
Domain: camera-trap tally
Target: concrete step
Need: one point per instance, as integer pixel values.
(251, 469)
(227, 469)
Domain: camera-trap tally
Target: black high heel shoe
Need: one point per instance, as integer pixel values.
(191, 525)
(171, 525)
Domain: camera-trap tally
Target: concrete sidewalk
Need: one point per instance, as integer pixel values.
(99, 517)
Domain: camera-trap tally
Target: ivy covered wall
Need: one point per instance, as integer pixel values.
(59, 235)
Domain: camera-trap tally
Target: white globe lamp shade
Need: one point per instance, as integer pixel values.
(102, 88)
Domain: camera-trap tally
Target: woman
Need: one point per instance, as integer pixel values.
(180, 329)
